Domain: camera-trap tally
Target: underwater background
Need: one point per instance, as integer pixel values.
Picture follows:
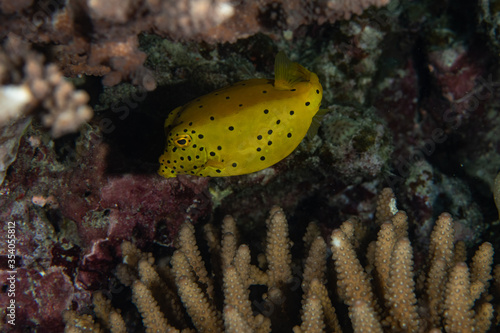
(93, 239)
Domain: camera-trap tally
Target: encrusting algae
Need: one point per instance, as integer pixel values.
(382, 292)
(243, 128)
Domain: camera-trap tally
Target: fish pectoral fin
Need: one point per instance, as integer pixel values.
(316, 122)
(215, 164)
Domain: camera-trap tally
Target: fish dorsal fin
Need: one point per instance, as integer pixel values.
(287, 73)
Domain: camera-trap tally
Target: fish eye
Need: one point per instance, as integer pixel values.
(182, 141)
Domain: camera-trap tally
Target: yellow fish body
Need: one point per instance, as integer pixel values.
(243, 128)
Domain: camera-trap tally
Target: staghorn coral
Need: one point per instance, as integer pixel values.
(27, 84)
(223, 300)
(101, 38)
(211, 21)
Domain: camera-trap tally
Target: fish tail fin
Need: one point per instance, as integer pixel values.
(287, 72)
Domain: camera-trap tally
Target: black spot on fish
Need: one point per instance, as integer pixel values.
(191, 124)
(231, 128)
(269, 143)
(258, 149)
(234, 165)
(240, 105)
(293, 89)
(212, 153)
(189, 158)
(201, 148)
(278, 122)
(185, 130)
(227, 97)
(197, 157)
(262, 158)
(289, 135)
(194, 146)
(200, 136)
(259, 137)
(192, 132)
(219, 148)
(212, 118)
(195, 167)
(200, 106)
(291, 113)
(307, 103)
(264, 91)
(182, 158)
(317, 91)
(270, 132)
(266, 111)
(218, 171)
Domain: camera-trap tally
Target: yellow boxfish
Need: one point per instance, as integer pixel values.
(243, 128)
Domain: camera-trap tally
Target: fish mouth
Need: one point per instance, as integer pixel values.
(166, 172)
(189, 161)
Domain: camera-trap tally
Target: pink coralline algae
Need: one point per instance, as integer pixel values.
(460, 72)
(70, 218)
(132, 205)
(140, 207)
(107, 205)
(41, 297)
(44, 268)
